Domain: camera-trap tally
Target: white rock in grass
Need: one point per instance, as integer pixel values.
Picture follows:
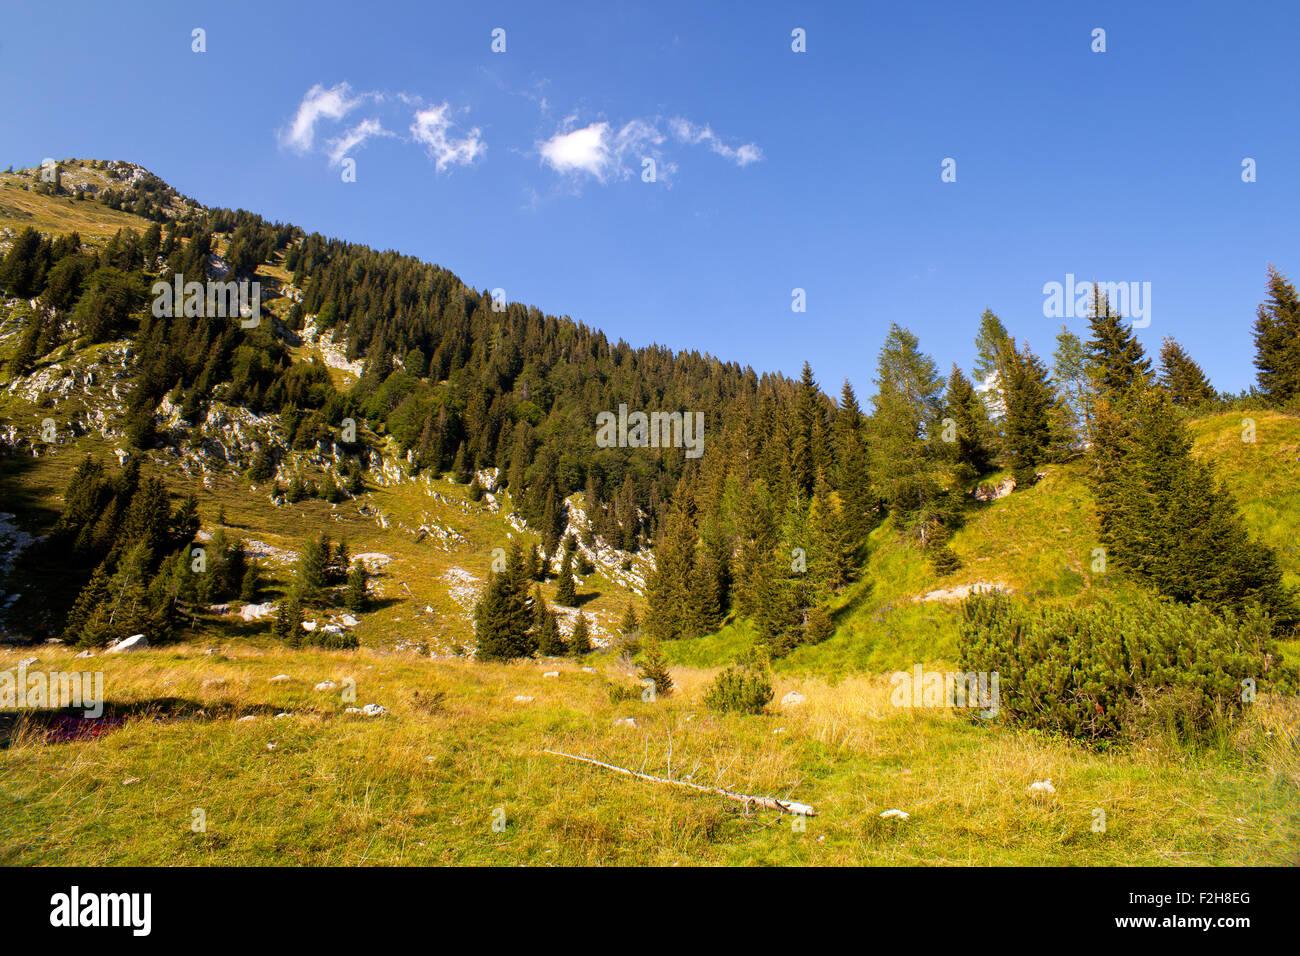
(521, 699)
(895, 815)
(136, 642)
(551, 674)
(285, 714)
(309, 625)
(589, 670)
(214, 682)
(625, 722)
(1042, 788)
(351, 710)
(326, 685)
(347, 620)
(29, 661)
(793, 699)
(244, 720)
(82, 655)
(130, 780)
(280, 679)
(374, 710)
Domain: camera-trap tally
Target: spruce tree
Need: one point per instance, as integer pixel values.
(565, 587)
(1277, 342)
(250, 588)
(1181, 377)
(1168, 521)
(853, 469)
(1113, 348)
(549, 641)
(356, 599)
(630, 624)
(580, 640)
(654, 668)
(906, 466)
(503, 619)
(313, 570)
(970, 430)
(1028, 425)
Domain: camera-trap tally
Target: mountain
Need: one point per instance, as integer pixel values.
(173, 475)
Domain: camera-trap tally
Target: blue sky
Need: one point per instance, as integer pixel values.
(776, 170)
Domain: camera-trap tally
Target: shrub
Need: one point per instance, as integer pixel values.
(744, 687)
(621, 692)
(1119, 669)
(943, 560)
(655, 668)
(819, 627)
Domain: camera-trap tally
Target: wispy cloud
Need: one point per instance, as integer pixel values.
(432, 129)
(687, 132)
(605, 152)
(319, 103)
(353, 138)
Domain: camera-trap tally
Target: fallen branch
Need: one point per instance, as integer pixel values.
(767, 803)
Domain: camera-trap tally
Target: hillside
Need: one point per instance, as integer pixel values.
(224, 714)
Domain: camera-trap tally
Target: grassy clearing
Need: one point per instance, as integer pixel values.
(413, 787)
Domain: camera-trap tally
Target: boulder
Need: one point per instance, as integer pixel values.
(374, 710)
(793, 699)
(326, 685)
(136, 642)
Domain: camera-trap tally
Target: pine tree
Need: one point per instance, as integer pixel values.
(503, 619)
(853, 469)
(1028, 424)
(654, 668)
(630, 624)
(1277, 342)
(250, 588)
(356, 599)
(993, 350)
(1071, 373)
(1166, 518)
(565, 588)
(970, 430)
(580, 640)
(549, 641)
(1113, 348)
(1183, 378)
(906, 467)
(313, 570)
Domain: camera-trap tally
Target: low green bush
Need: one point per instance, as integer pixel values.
(1120, 669)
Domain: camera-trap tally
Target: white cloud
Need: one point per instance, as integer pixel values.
(581, 150)
(604, 153)
(431, 128)
(333, 103)
(354, 138)
(688, 132)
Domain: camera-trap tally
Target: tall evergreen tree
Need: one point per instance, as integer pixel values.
(1167, 519)
(1277, 342)
(1028, 424)
(1181, 377)
(1114, 349)
(906, 466)
(504, 621)
(969, 449)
